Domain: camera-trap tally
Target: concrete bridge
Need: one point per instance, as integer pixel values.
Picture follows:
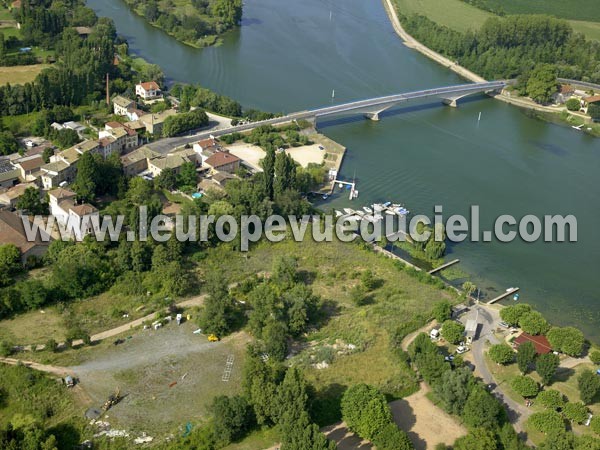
(370, 108)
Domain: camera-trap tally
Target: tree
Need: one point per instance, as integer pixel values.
(481, 409)
(167, 179)
(8, 143)
(533, 323)
(452, 331)
(501, 354)
(589, 386)
(513, 313)
(216, 315)
(546, 366)
(229, 12)
(525, 356)
(477, 439)
(188, 177)
(392, 438)
(275, 336)
(232, 417)
(453, 389)
(31, 202)
(524, 386)
(268, 166)
(431, 366)
(542, 83)
(442, 311)
(368, 280)
(421, 344)
(85, 180)
(573, 104)
(551, 399)
(365, 410)
(547, 421)
(594, 111)
(576, 412)
(10, 263)
(568, 340)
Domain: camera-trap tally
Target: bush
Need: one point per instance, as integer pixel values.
(5, 348)
(512, 314)
(501, 354)
(589, 385)
(547, 421)
(392, 438)
(595, 356)
(576, 412)
(525, 386)
(573, 104)
(442, 311)
(452, 331)
(551, 399)
(595, 424)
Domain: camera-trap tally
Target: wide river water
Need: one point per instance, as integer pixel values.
(290, 55)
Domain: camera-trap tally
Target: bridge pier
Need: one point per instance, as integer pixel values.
(450, 102)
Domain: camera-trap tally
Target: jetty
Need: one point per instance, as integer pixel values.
(443, 266)
(504, 295)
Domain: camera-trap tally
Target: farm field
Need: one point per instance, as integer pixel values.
(20, 74)
(462, 16)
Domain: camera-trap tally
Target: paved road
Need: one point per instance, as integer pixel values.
(489, 317)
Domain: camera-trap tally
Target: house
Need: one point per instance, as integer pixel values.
(541, 344)
(125, 137)
(55, 173)
(207, 144)
(75, 126)
(30, 167)
(137, 161)
(222, 178)
(10, 197)
(471, 328)
(121, 105)
(9, 173)
(12, 231)
(133, 113)
(148, 90)
(223, 162)
(587, 101)
(67, 212)
(154, 122)
(458, 310)
(172, 161)
(565, 92)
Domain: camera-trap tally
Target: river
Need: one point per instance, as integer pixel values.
(288, 57)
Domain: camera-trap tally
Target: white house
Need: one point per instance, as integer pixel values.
(148, 90)
(121, 105)
(68, 213)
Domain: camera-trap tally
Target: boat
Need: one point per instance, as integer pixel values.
(516, 297)
(378, 207)
(325, 196)
(378, 217)
(340, 185)
(360, 213)
(349, 211)
(509, 289)
(368, 210)
(369, 218)
(387, 204)
(355, 194)
(338, 213)
(390, 212)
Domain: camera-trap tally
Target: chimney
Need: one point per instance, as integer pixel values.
(107, 89)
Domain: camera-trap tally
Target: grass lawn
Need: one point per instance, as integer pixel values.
(565, 9)
(20, 74)
(259, 439)
(33, 327)
(590, 29)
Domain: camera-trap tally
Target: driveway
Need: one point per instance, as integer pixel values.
(489, 318)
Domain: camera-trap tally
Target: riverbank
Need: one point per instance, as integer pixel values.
(177, 31)
(462, 71)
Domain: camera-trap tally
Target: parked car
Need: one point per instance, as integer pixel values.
(503, 324)
(462, 349)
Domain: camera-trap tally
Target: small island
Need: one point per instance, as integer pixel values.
(197, 23)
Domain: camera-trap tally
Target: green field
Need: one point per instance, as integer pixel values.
(565, 9)
(20, 74)
(461, 16)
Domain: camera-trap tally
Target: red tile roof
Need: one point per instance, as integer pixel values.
(541, 344)
(592, 99)
(221, 159)
(150, 86)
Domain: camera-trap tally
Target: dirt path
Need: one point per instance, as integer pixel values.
(54, 370)
(411, 337)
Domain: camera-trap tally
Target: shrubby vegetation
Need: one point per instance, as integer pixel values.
(180, 123)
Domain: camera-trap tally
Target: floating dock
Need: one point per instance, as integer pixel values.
(443, 266)
(503, 296)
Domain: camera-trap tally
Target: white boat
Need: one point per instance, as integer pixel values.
(360, 213)
(390, 212)
(349, 211)
(354, 217)
(377, 217)
(338, 213)
(355, 194)
(378, 207)
(369, 218)
(340, 185)
(367, 209)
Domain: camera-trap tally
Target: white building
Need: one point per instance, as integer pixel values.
(148, 90)
(77, 218)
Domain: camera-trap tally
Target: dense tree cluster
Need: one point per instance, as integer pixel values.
(512, 46)
(181, 123)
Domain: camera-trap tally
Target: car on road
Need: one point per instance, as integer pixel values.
(462, 349)
(503, 324)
